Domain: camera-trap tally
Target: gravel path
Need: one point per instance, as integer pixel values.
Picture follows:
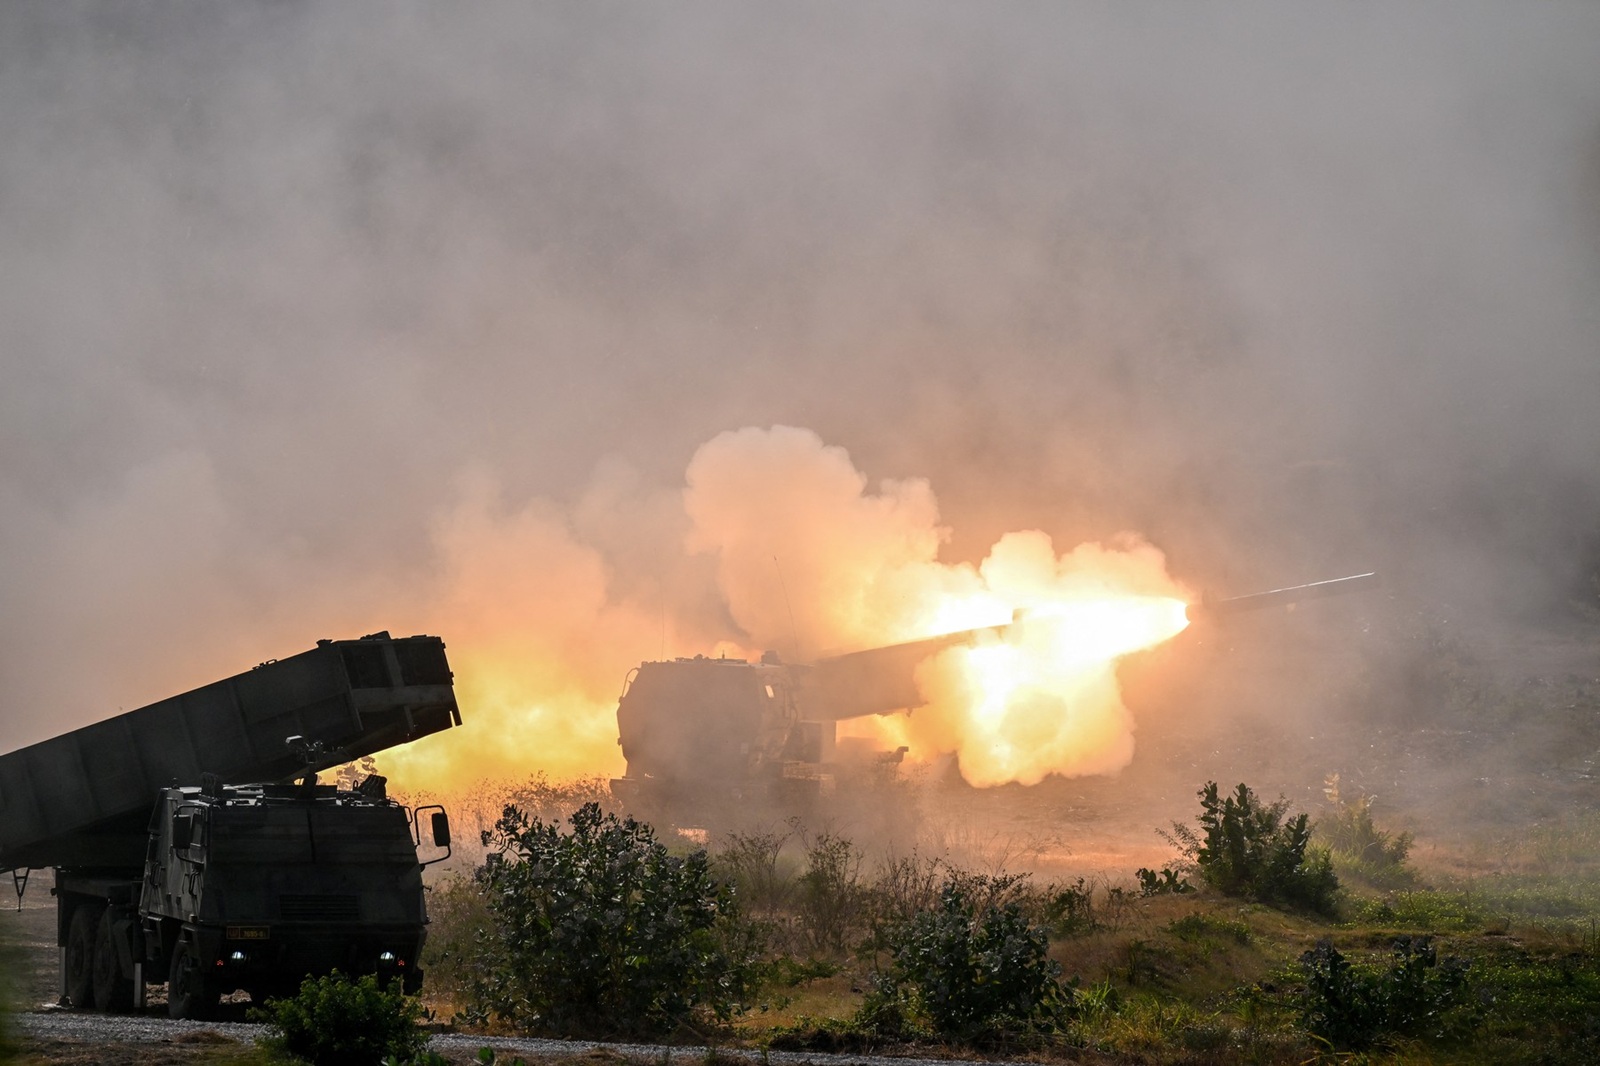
(661, 1054)
(134, 1028)
(117, 1028)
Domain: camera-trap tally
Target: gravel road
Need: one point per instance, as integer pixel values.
(94, 1028)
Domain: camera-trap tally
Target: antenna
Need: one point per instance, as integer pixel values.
(794, 632)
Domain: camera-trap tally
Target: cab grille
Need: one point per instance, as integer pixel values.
(319, 908)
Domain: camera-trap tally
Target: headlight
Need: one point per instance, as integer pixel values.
(387, 956)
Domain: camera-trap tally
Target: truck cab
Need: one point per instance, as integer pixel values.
(252, 887)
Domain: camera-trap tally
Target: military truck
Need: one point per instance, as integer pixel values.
(707, 735)
(704, 736)
(193, 845)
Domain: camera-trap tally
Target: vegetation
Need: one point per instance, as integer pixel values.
(971, 972)
(459, 924)
(1416, 995)
(830, 897)
(1360, 850)
(856, 954)
(333, 1021)
(598, 929)
(1249, 849)
(1069, 910)
(1153, 883)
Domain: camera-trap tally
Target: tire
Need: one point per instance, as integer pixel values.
(81, 929)
(113, 989)
(190, 993)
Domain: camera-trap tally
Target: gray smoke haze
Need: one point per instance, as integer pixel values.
(1291, 291)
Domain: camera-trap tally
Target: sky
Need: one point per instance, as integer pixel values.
(321, 319)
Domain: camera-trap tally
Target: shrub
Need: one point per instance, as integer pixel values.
(543, 798)
(752, 863)
(1351, 1007)
(971, 972)
(1166, 882)
(1069, 909)
(831, 899)
(333, 1021)
(1246, 848)
(601, 930)
(1363, 849)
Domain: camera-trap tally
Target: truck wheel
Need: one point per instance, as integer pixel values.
(80, 954)
(190, 993)
(113, 990)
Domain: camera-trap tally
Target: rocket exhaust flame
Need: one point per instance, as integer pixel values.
(1037, 697)
(542, 640)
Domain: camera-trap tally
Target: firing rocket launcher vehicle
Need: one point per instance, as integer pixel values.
(192, 844)
(702, 735)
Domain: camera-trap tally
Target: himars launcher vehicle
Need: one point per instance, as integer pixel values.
(187, 852)
(704, 735)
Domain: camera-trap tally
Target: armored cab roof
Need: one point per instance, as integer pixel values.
(281, 795)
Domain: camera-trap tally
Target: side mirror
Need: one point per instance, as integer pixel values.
(440, 824)
(182, 831)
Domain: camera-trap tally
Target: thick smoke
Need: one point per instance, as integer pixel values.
(1291, 292)
(807, 558)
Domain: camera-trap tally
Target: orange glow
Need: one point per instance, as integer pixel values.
(1045, 698)
(804, 557)
(1041, 697)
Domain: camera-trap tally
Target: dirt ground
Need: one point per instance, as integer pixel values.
(30, 934)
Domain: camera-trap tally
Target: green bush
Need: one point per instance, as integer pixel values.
(1069, 909)
(1360, 849)
(333, 1021)
(599, 930)
(1247, 848)
(971, 972)
(1166, 882)
(1352, 1007)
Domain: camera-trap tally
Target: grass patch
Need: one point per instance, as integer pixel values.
(1421, 911)
(1537, 1008)
(1555, 901)
(1201, 928)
